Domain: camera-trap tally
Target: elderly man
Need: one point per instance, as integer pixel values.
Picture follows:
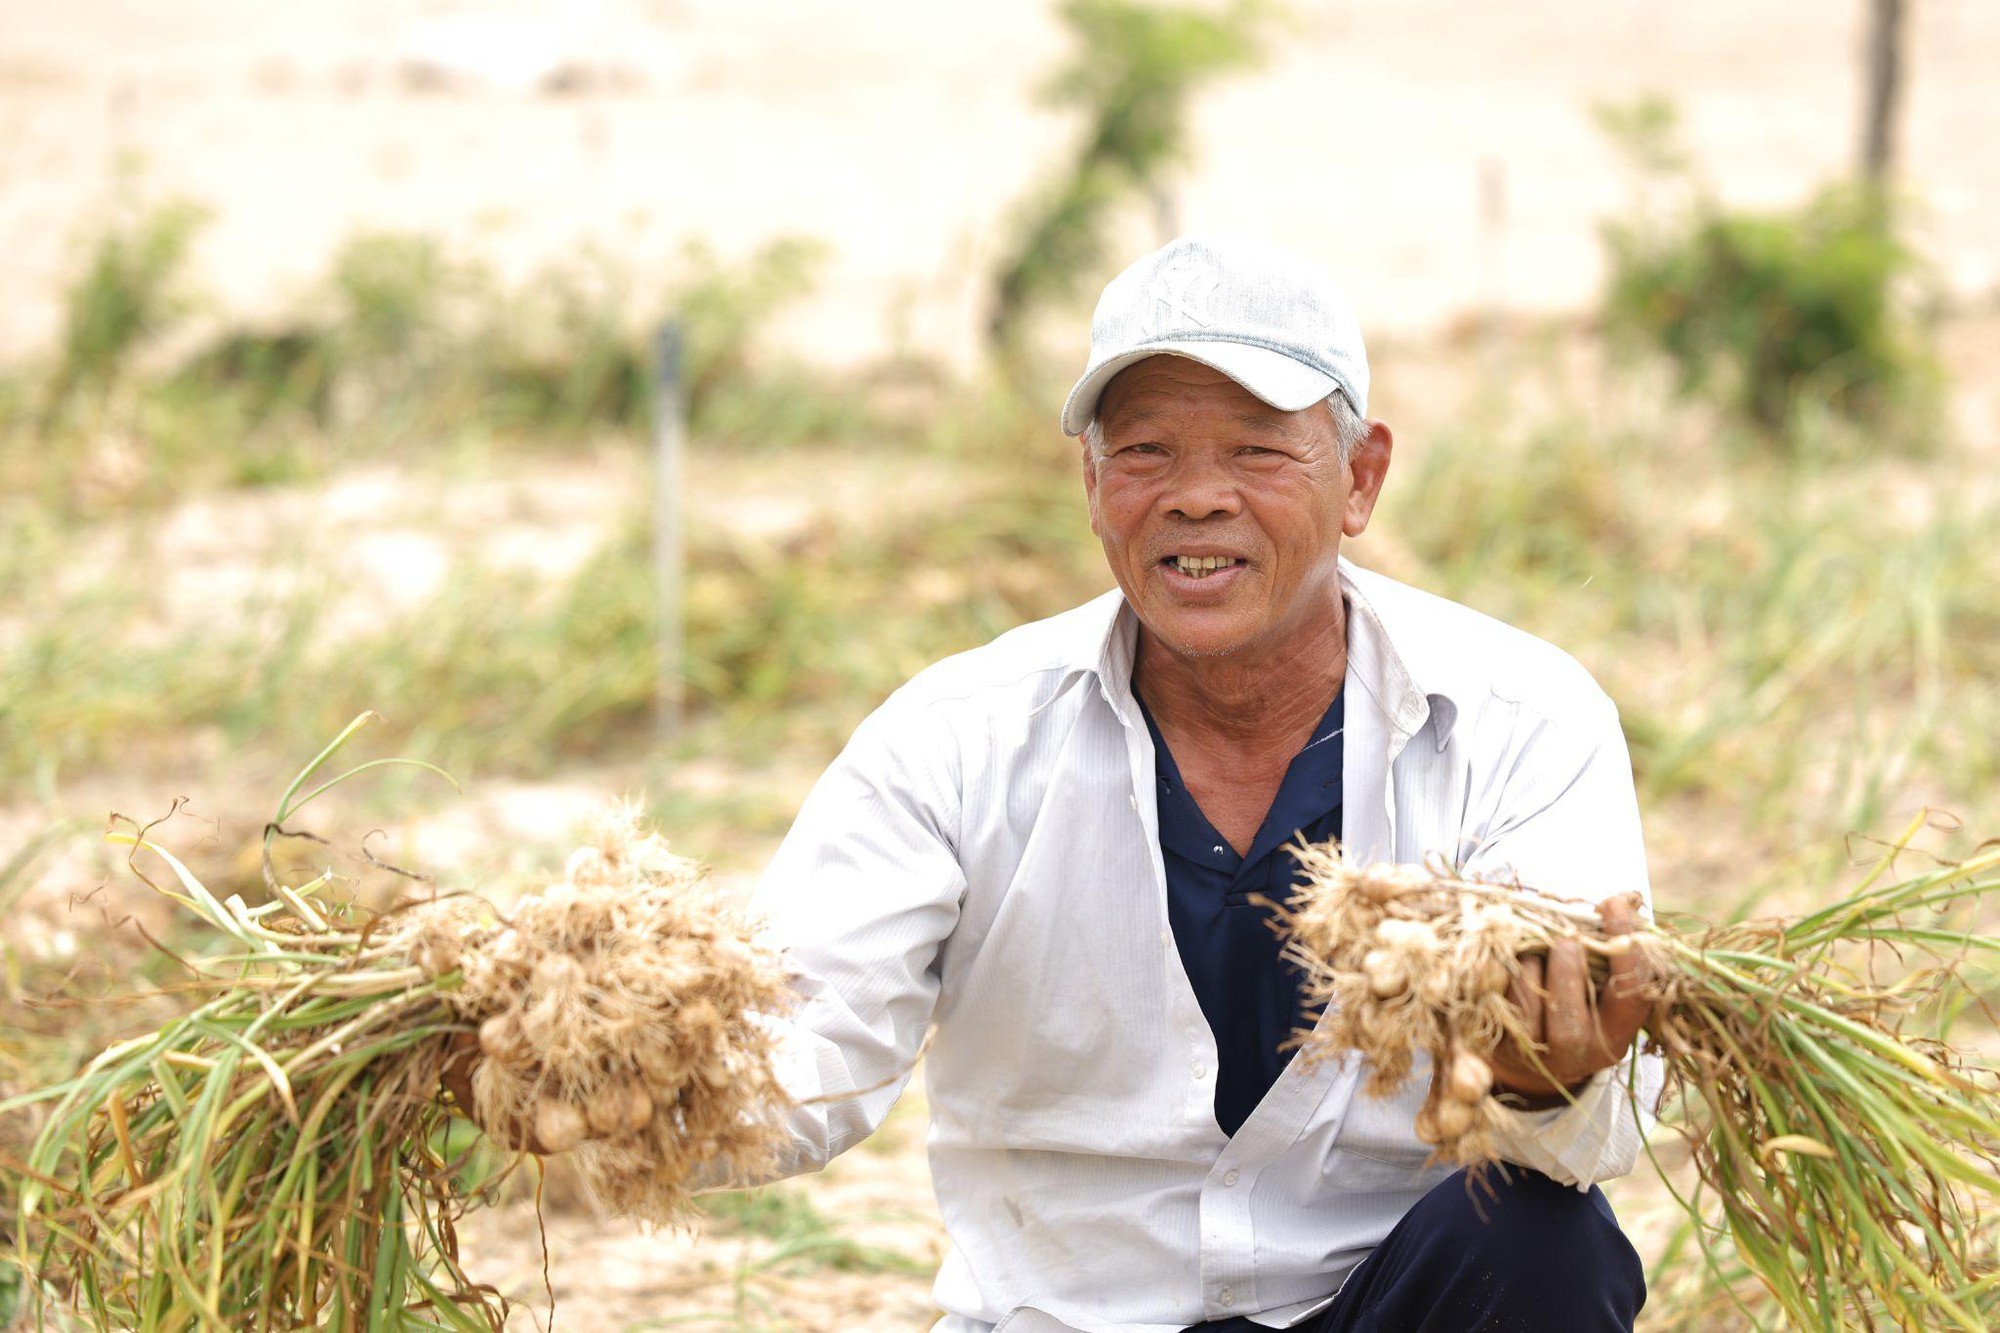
(1052, 851)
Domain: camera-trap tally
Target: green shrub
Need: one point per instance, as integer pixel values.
(1767, 313)
(722, 310)
(390, 291)
(129, 291)
(561, 352)
(1134, 69)
(1556, 509)
(568, 350)
(1768, 310)
(402, 344)
(373, 332)
(265, 371)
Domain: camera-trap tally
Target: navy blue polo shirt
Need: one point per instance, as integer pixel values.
(1248, 992)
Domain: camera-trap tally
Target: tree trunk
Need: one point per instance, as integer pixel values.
(1885, 89)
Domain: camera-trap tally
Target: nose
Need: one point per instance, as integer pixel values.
(1199, 490)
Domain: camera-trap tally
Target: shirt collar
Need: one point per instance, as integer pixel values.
(1103, 644)
(1392, 657)
(1310, 790)
(1389, 655)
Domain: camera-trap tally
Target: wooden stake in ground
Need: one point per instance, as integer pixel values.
(1884, 90)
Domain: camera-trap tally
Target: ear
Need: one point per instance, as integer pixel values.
(1367, 468)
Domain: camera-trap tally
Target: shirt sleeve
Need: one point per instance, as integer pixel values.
(860, 896)
(1565, 820)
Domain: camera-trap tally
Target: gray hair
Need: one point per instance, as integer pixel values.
(1349, 428)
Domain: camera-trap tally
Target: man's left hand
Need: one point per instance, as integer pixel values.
(1578, 1029)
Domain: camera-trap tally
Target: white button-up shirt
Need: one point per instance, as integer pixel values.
(984, 858)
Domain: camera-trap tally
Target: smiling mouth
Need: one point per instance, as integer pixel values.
(1200, 566)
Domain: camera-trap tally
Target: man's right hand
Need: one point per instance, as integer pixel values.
(1578, 1029)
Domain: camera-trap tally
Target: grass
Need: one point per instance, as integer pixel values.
(267, 1153)
(399, 347)
(802, 1236)
(516, 674)
(47, 1024)
(783, 1237)
(1784, 640)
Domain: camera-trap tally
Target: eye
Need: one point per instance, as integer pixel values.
(1143, 450)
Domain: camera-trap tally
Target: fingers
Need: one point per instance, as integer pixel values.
(1556, 994)
(1620, 913)
(1566, 1013)
(1588, 1029)
(1519, 1067)
(1526, 993)
(1576, 1028)
(1624, 1005)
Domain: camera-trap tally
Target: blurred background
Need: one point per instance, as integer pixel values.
(623, 396)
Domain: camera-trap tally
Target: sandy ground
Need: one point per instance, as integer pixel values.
(611, 1275)
(1438, 153)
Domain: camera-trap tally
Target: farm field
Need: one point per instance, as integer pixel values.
(1742, 809)
(207, 567)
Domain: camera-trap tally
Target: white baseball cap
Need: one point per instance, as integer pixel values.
(1263, 316)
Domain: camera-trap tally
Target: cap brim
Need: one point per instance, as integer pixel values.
(1285, 384)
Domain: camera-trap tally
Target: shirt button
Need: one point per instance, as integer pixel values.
(1227, 1295)
(1218, 849)
(1197, 1068)
(1229, 1177)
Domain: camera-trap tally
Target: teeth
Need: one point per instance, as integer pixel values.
(1201, 566)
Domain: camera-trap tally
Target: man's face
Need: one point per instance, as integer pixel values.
(1196, 471)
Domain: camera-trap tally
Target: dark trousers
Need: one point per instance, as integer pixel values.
(1513, 1252)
